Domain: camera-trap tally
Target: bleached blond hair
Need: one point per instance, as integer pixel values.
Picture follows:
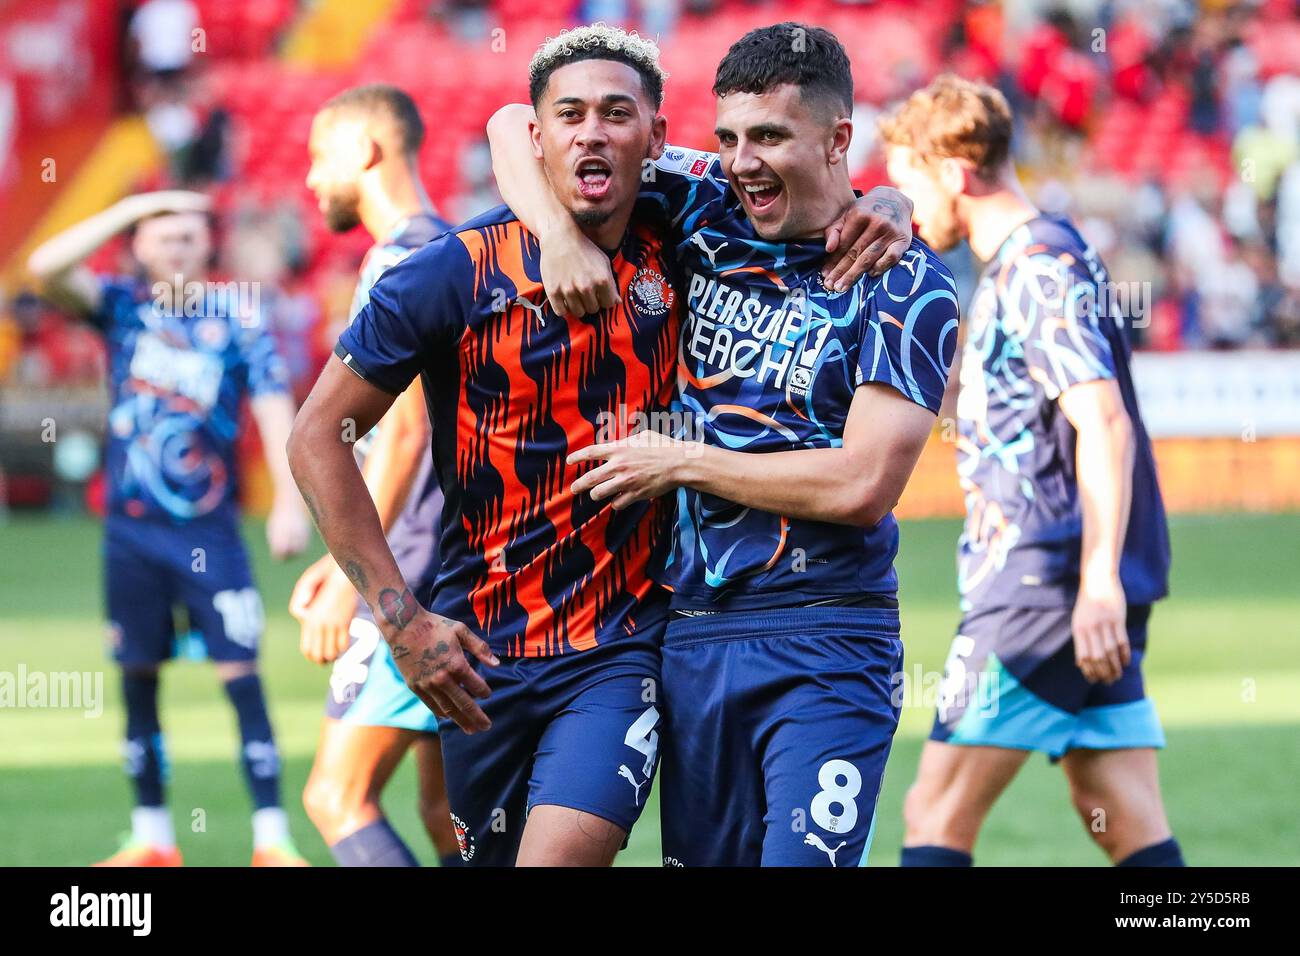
(598, 41)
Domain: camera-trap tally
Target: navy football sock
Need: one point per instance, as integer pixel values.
(146, 760)
(933, 856)
(375, 844)
(260, 758)
(1167, 853)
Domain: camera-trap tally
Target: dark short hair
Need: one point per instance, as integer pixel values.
(383, 99)
(597, 42)
(809, 57)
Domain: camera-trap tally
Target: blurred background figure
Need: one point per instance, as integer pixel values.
(184, 355)
(164, 35)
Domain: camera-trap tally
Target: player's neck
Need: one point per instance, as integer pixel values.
(608, 235)
(399, 197)
(992, 216)
(838, 201)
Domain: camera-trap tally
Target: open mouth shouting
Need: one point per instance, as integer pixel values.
(759, 195)
(594, 175)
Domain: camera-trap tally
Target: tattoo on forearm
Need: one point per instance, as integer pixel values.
(397, 609)
(356, 575)
(312, 508)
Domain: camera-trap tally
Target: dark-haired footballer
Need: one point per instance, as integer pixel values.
(549, 590)
(812, 400)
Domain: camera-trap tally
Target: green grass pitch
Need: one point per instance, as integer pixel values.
(1223, 667)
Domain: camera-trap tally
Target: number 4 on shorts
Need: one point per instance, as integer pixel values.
(644, 739)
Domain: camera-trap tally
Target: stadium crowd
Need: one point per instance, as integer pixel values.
(1169, 129)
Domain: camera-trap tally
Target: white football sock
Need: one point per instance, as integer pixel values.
(270, 827)
(153, 825)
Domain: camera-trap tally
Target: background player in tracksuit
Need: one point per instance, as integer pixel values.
(364, 149)
(780, 661)
(557, 585)
(1065, 546)
(183, 354)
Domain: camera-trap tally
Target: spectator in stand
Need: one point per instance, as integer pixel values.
(1268, 301)
(264, 247)
(1286, 215)
(471, 20)
(1286, 320)
(480, 186)
(1193, 238)
(163, 37)
(1227, 295)
(45, 349)
(1204, 79)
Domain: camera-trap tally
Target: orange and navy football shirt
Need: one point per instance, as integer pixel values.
(512, 390)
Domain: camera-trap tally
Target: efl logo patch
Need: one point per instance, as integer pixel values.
(688, 162)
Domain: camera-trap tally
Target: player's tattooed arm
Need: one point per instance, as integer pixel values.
(430, 650)
(870, 237)
(321, 459)
(321, 456)
(398, 608)
(313, 509)
(357, 575)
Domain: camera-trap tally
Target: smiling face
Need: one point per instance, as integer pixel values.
(784, 158)
(340, 149)
(595, 128)
(934, 186)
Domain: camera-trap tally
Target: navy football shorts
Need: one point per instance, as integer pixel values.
(1011, 681)
(778, 726)
(152, 567)
(578, 730)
